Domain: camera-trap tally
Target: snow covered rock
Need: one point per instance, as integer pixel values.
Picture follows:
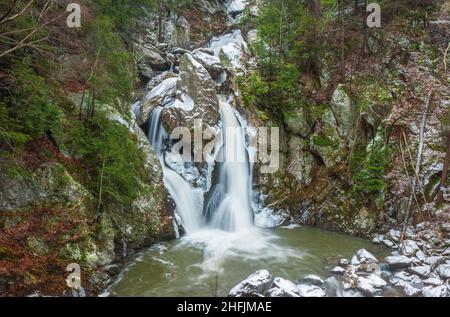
(310, 291)
(256, 284)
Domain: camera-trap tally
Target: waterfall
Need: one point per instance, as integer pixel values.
(233, 190)
(188, 201)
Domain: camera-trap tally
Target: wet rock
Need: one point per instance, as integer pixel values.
(378, 238)
(398, 262)
(159, 96)
(365, 256)
(338, 270)
(313, 279)
(343, 262)
(256, 285)
(310, 291)
(284, 287)
(434, 291)
(422, 271)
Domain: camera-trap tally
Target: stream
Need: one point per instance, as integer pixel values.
(211, 262)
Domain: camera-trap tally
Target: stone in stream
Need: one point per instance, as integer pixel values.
(378, 238)
(255, 285)
(388, 243)
(422, 271)
(396, 262)
(310, 291)
(313, 279)
(284, 288)
(343, 262)
(338, 270)
(435, 291)
(365, 256)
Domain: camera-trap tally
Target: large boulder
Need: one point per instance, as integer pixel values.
(159, 96)
(196, 98)
(256, 285)
(151, 56)
(210, 62)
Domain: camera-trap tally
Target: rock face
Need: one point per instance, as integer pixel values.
(196, 99)
(344, 111)
(256, 285)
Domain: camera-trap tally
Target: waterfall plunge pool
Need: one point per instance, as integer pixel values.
(211, 262)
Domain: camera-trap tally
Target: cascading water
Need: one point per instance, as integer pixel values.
(234, 211)
(188, 201)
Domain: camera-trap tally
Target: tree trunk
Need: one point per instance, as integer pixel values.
(342, 39)
(159, 9)
(418, 163)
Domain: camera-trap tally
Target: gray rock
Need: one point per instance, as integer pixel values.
(196, 98)
(285, 288)
(433, 281)
(257, 284)
(343, 110)
(378, 238)
(404, 276)
(410, 247)
(422, 271)
(298, 123)
(152, 57)
(338, 270)
(394, 235)
(444, 271)
(313, 279)
(343, 262)
(408, 289)
(420, 256)
(355, 261)
(311, 291)
(388, 243)
(434, 260)
(365, 286)
(376, 281)
(434, 291)
(210, 62)
(398, 262)
(365, 256)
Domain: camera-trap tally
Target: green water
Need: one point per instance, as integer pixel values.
(214, 261)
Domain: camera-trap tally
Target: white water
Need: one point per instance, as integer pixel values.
(234, 213)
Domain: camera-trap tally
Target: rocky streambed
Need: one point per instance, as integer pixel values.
(419, 266)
